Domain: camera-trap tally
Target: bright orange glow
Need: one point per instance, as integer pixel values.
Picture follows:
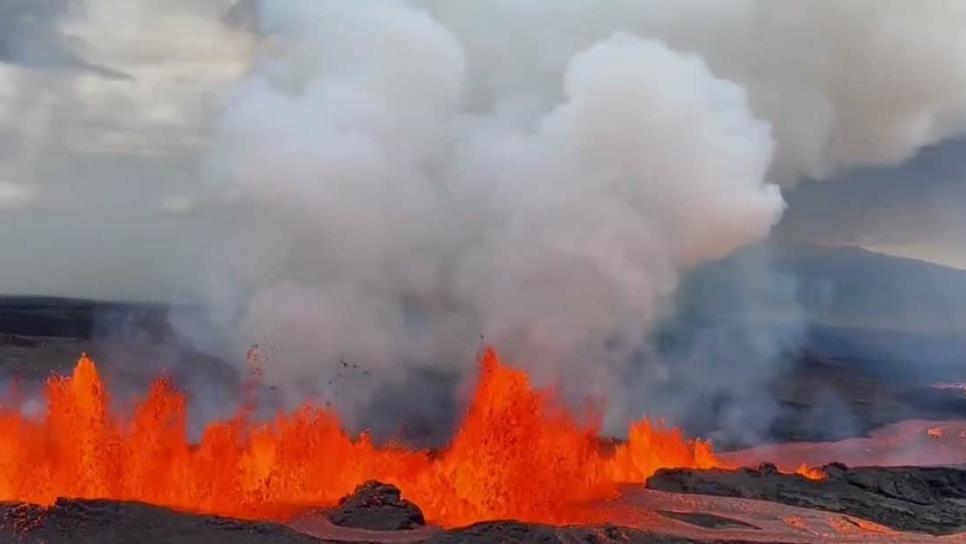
(517, 454)
(812, 473)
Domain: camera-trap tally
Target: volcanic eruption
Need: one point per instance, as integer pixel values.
(375, 193)
(518, 454)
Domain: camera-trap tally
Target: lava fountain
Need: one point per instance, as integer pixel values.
(518, 453)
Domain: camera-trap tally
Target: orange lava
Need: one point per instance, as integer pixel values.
(812, 473)
(936, 432)
(517, 454)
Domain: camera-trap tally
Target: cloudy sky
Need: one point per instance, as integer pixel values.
(910, 210)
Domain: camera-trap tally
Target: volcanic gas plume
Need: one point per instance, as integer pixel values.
(517, 454)
(384, 181)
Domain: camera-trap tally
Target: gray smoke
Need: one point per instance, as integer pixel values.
(843, 83)
(378, 184)
(389, 215)
(736, 329)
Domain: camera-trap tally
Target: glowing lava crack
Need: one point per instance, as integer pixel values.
(517, 454)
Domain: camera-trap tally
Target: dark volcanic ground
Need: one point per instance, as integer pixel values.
(921, 499)
(41, 335)
(107, 522)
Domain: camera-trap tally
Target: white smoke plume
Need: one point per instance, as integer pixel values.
(397, 178)
(402, 219)
(843, 83)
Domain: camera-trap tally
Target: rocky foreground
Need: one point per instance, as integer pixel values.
(839, 509)
(922, 499)
(110, 522)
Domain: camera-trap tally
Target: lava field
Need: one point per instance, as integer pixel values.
(520, 468)
(871, 505)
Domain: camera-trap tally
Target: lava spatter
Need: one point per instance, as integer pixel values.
(518, 453)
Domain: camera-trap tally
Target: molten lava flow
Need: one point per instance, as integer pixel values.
(936, 432)
(812, 473)
(518, 454)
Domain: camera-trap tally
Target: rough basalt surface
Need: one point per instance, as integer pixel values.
(109, 522)
(922, 499)
(379, 507)
(645, 517)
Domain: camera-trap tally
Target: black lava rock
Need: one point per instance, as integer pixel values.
(922, 499)
(76, 521)
(379, 507)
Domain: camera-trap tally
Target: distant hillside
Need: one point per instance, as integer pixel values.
(857, 288)
(76, 318)
(888, 314)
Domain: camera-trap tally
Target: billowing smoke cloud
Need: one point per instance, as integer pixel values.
(843, 83)
(397, 178)
(392, 221)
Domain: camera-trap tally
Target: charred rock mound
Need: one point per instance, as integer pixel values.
(922, 499)
(108, 522)
(379, 507)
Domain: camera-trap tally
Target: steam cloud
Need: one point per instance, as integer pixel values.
(403, 222)
(391, 179)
